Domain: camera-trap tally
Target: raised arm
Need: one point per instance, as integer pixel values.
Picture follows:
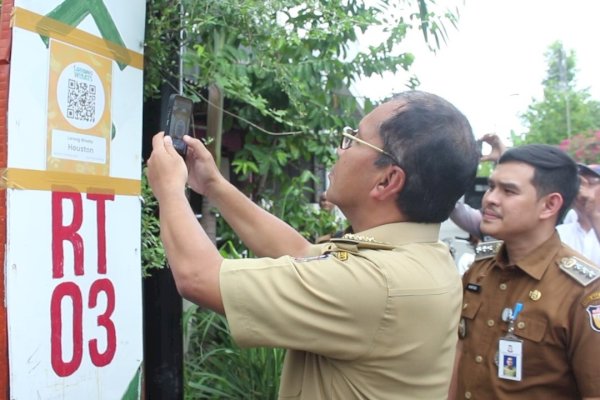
(467, 218)
(263, 233)
(195, 262)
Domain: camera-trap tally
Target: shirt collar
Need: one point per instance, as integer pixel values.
(537, 262)
(400, 233)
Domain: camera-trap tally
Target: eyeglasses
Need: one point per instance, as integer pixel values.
(349, 134)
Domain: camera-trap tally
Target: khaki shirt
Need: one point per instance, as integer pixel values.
(561, 335)
(361, 319)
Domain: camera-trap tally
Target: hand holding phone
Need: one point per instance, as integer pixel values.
(178, 121)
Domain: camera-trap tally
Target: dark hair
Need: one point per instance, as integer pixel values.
(554, 171)
(434, 145)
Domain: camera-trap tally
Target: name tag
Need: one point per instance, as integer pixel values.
(473, 287)
(510, 358)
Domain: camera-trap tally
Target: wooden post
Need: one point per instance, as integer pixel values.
(5, 43)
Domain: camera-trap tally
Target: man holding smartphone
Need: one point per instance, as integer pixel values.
(371, 315)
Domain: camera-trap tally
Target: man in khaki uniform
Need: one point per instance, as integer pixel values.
(532, 298)
(367, 316)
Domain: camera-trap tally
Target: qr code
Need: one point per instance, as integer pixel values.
(81, 101)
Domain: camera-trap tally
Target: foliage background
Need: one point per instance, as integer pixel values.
(566, 115)
(285, 68)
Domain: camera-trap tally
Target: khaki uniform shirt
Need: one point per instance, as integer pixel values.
(559, 325)
(360, 319)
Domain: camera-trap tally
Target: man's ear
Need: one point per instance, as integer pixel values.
(551, 205)
(390, 183)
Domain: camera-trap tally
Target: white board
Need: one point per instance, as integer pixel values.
(73, 274)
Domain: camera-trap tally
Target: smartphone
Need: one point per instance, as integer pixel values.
(179, 115)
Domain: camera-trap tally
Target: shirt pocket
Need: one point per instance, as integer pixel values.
(471, 306)
(530, 328)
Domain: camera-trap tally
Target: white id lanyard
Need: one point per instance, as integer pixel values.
(510, 348)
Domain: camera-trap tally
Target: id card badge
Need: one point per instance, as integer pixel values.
(510, 358)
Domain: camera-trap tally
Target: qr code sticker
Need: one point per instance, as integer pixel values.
(81, 101)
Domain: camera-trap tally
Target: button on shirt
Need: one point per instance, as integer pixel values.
(561, 335)
(358, 322)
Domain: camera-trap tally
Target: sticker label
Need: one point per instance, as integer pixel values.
(78, 147)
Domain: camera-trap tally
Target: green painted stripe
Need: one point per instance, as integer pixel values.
(134, 390)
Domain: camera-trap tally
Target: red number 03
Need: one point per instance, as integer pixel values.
(70, 290)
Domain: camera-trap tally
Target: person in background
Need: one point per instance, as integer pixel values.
(583, 234)
(327, 206)
(324, 204)
(371, 315)
(533, 297)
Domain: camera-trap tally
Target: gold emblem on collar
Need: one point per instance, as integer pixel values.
(535, 295)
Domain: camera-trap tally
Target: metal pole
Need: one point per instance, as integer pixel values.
(163, 328)
(565, 87)
(181, 47)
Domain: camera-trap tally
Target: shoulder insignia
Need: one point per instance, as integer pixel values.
(592, 298)
(361, 242)
(594, 314)
(313, 258)
(583, 272)
(487, 249)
